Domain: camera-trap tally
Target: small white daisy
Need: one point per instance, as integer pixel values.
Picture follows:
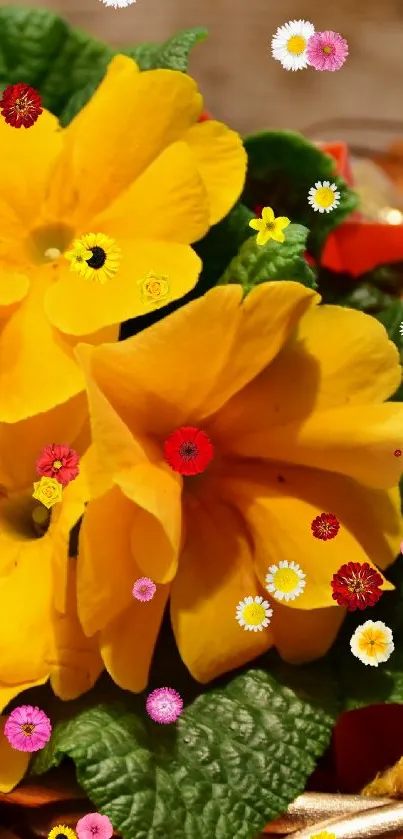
(118, 4)
(285, 581)
(290, 42)
(372, 643)
(323, 197)
(253, 613)
(401, 328)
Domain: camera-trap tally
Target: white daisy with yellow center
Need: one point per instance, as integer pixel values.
(253, 613)
(372, 643)
(285, 581)
(290, 42)
(323, 197)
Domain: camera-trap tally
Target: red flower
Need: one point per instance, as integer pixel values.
(358, 246)
(188, 451)
(326, 526)
(398, 453)
(356, 586)
(58, 461)
(20, 105)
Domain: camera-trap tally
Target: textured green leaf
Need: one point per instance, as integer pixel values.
(173, 55)
(256, 264)
(66, 65)
(282, 167)
(236, 758)
(222, 243)
(361, 685)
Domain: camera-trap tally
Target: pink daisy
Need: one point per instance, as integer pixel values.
(164, 705)
(326, 50)
(94, 826)
(144, 589)
(27, 729)
(58, 461)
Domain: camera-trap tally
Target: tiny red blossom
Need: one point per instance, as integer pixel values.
(20, 105)
(356, 586)
(326, 526)
(398, 453)
(58, 461)
(188, 451)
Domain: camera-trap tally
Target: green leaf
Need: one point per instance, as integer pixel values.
(360, 685)
(236, 758)
(256, 264)
(66, 65)
(41, 49)
(282, 167)
(173, 55)
(222, 243)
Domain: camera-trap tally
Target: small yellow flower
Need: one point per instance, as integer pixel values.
(372, 643)
(48, 491)
(94, 256)
(62, 831)
(154, 289)
(269, 227)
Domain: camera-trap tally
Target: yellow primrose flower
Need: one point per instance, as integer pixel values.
(40, 635)
(269, 227)
(219, 447)
(48, 491)
(134, 175)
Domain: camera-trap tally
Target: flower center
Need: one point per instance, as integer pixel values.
(324, 196)
(45, 244)
(270, 225)
(296, 45)
(188, 451)
(52, 254)
(28, 728)
(57, 464)
(98, 258)
(285, 580)
(327, 50)
(356, 586)
(254, 614)
(61, 836)
(373, 642)
(23, 518)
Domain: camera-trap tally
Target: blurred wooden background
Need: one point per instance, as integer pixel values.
(242, 84)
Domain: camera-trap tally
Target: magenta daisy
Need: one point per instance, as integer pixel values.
(164, 705)
(94, 826)
(27, 729)
(144, 589)
(326, 51)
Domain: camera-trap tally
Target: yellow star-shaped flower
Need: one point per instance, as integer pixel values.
(48, 491)
(269, 227)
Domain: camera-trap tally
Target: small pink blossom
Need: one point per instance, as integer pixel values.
(326, 50)
(58, 461)
(27, 729)
(144, 589)
(164, 705)
(94, 826)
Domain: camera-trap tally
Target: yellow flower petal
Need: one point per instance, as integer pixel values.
(13, 287)
(338, 357)
(257, 224)
(140, 374)
(268, 215)
(277, 236)
(118, 639)
(80, 307)
(221, 160)
(279, 503)
(263, 236)
(22, 442)
(13, 764)
(282, 222)
(73, 660)
(215, 573)
(153, 109)
(30, 156)
(301, 636)
(167, 202)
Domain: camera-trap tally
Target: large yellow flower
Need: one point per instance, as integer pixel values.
(289, 393)
(133, 166)
(40, 635)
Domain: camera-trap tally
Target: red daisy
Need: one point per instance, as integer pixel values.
(20, 105)
(58, 461)
(398, 453)
(326, 526)
(188, 451)
(356, 586)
